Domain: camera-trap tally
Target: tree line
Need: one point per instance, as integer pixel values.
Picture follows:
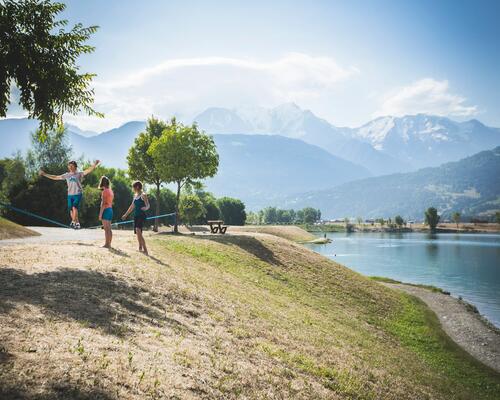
(274, 215)
(172, 153)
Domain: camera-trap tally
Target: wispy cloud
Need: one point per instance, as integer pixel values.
(186, 86)
(427, 96)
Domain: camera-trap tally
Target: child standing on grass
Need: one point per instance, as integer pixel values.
(140, 204)
(75, 191)
(106, 210)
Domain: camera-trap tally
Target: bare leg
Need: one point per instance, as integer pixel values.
(138, 233)
(142, 242)
(108, 234)
(76, 214)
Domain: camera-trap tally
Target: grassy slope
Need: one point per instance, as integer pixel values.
(9, 230)
(218, 317)
(290, 232)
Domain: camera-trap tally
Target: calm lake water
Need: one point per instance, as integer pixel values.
(466, 265)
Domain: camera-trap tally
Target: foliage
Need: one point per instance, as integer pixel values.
(456, 217)
(191, 208)
(184, 155)
(273, 215)
(431, 218)
(52, 155)
(232, 211)
(399, 221)
(40, 58)
(497, 217)
(141, 165)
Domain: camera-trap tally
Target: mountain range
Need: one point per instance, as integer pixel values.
(268, 155)
(384, 145)
(470, 186)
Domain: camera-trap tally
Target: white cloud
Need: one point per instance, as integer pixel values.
(428, 96)
(187, 86)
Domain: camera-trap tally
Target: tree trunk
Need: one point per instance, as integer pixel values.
(176, 229)
(155, 229)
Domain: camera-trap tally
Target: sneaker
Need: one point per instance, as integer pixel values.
(72, 225)
(77, 225)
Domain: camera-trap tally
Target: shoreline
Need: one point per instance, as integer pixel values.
(466, 327)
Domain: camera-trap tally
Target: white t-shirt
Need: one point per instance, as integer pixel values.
(74, 181)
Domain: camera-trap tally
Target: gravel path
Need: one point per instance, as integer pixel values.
(464, 326)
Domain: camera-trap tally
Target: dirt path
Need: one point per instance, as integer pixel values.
(465, 327)
(56, 235)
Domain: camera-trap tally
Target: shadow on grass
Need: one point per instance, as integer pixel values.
(92, 298)
(53, 391)
(246, 243)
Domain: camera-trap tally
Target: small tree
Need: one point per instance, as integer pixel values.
(232, 210)
(456, 218)
(310, 215)
(399, 221)
(359, 220)
(40, 58)
(431, 218)
(141, 164)
(191, 208)
(51, 155)
(183, 154)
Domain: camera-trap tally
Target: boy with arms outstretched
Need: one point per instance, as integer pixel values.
(75, 191)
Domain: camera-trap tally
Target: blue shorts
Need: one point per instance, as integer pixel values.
(107, 214)
(74, 200)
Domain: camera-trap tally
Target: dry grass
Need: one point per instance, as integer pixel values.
(290, 232)
(213, 317)
(10, 230)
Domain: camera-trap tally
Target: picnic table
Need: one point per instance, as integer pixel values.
(217, 226)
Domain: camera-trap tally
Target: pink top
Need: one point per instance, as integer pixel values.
(107, 198)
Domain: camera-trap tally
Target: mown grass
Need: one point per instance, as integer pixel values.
(217, 317)
(386, 331)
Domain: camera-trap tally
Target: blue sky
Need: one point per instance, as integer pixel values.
(347, 61)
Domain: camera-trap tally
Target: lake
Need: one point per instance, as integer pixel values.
(466, 265)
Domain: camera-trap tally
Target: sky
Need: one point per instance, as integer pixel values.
(346, 61)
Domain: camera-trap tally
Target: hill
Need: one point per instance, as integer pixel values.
(216, 317)
(470, 186)
(259, 168)
(10, 230)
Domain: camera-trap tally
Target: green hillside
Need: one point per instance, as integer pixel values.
(470, 186)
(10, 230)
(217, 317)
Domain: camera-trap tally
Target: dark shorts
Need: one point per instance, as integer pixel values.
(107, 214)
(74, 200)
(139, 223)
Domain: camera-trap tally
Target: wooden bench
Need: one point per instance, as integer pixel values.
(217, 226)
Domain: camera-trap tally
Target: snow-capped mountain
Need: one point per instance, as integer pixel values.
(426, 140)
(384, 145)
(291, 121)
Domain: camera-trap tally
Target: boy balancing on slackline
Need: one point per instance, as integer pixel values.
(75, 192)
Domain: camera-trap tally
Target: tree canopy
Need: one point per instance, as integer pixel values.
(39, 58)
(184, 155)
(431, 218)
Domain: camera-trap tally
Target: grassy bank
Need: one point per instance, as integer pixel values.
(290, 232)
(10, 230)
(217, 317)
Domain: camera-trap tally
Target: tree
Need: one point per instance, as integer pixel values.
(232, 211)
(141, 165)
(359, 220)
(191, 208)
(212, 211)
(456, 218)
(431, 218)
(183, 154)
(399, 221)
(52, 155)
(40, 58)
(497, 217)
(270, 215)
(310, 215)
